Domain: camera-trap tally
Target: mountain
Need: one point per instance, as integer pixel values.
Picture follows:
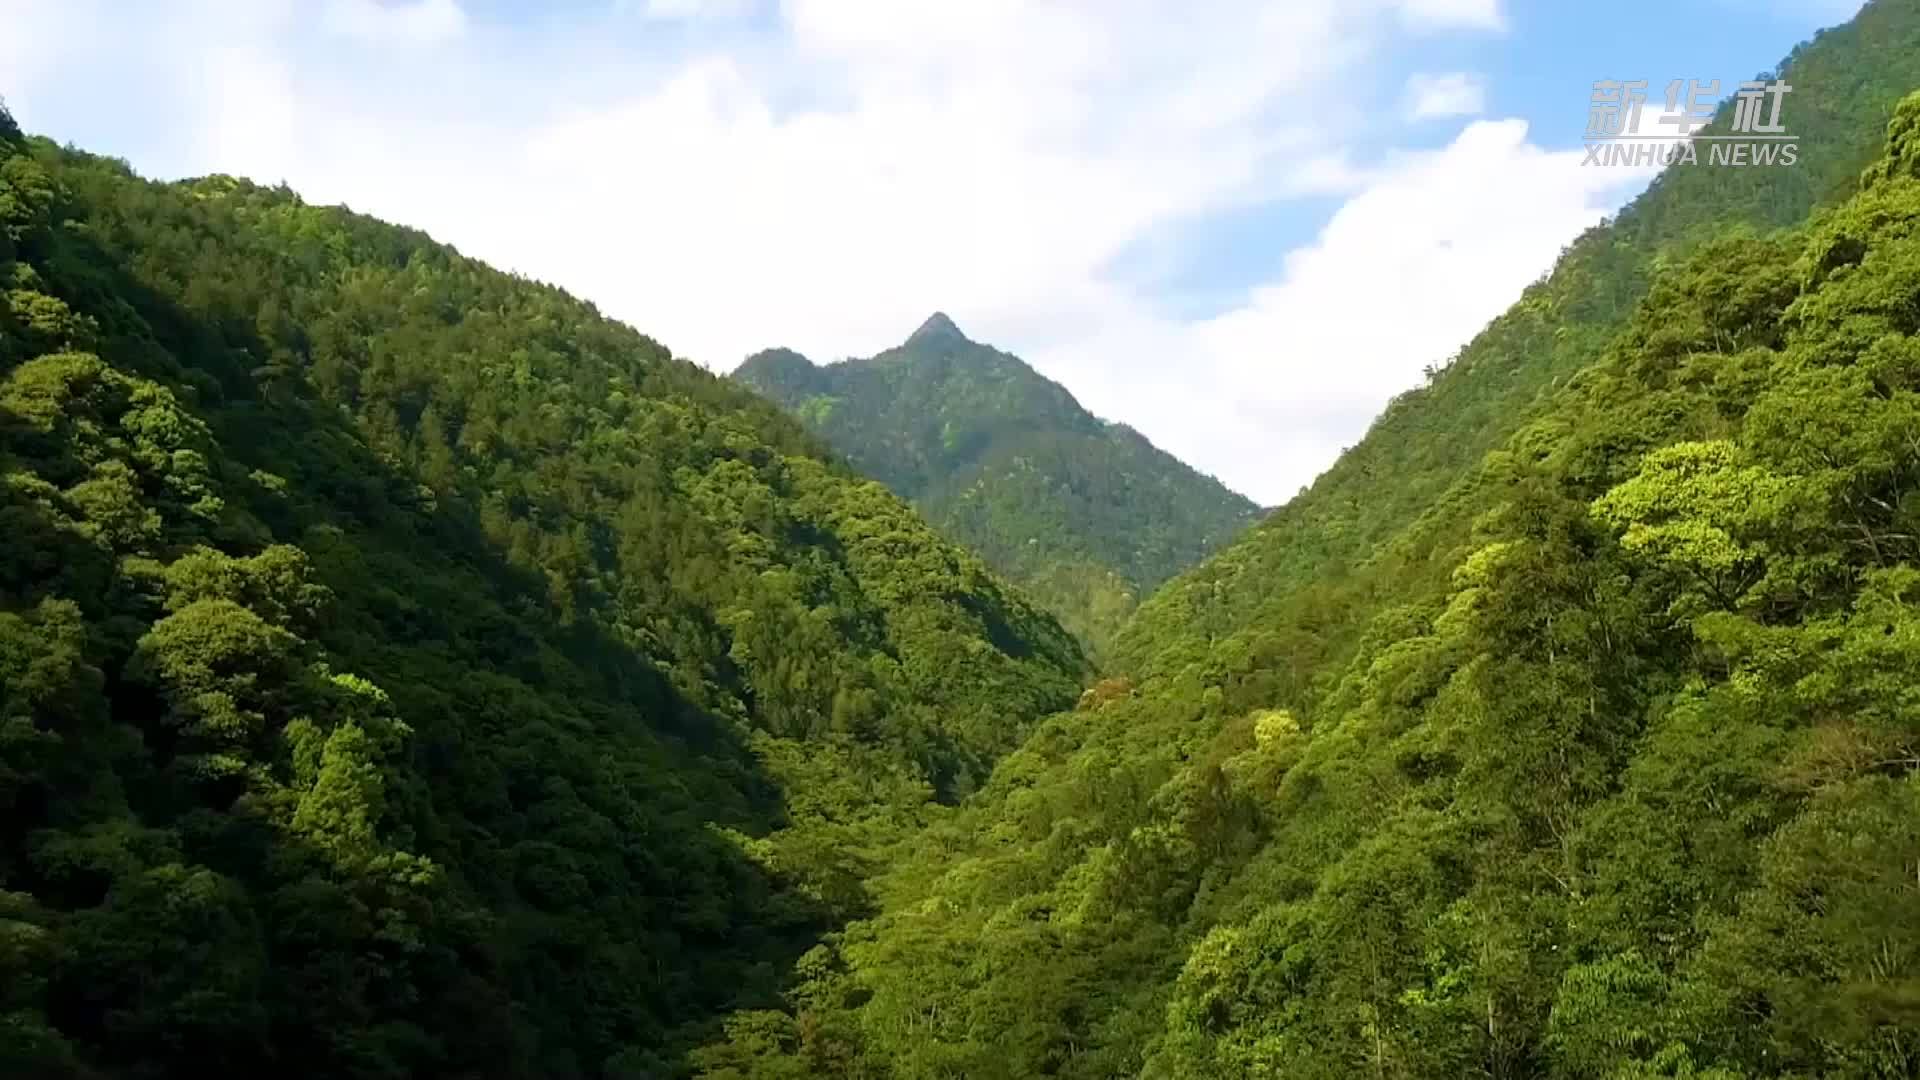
(1429, 439)
(406, 671)
(1564, 729)
(1085, 515)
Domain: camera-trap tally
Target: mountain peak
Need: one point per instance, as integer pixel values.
(937, 328)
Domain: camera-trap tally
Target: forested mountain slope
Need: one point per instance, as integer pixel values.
(1299, 563)
(405, 671)
(1087, 516)
(1593, 757)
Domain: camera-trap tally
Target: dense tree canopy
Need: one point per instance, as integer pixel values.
(406, 671)
(1566, 729)
(1086, 516)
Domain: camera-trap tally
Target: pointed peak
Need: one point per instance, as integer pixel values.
(937, 328)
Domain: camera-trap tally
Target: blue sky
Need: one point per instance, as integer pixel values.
(1238, 226)
(1540, 70)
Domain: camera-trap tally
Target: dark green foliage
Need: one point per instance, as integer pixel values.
(1085, 515)
(405, 671)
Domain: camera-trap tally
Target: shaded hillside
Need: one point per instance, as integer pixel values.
(405, 671)
(1085, 515)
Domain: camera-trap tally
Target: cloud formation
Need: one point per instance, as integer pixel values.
(728, 176)
(418, 22)
(1456, 93)
(1406, 271)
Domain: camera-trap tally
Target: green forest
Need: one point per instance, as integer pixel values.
(1086, 516)
(407, 671)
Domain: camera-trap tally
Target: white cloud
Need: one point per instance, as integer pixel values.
(251, 112)
(826, 183)
(1403, 274)
(1456, 93)
(693, 9)
(413, 22)
(1472, 14)
(981, 162)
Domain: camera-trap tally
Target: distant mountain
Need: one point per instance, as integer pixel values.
(1086, 515)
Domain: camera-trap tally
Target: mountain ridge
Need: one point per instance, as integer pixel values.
(1086, 514)
(405, 670)
(1512, 748)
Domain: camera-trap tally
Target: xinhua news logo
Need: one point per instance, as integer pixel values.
(1755, 133)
